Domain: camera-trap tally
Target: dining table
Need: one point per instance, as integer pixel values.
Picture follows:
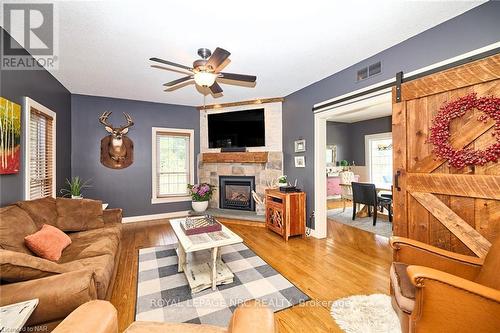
(383, 187)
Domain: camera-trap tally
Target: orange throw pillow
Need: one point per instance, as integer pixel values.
(48, 242)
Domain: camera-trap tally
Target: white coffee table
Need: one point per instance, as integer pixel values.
(200, 256)
(14, 316)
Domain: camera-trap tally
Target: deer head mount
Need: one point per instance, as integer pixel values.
(117, 150)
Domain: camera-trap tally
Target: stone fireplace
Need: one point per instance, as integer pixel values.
(262, 173)
(235, 192)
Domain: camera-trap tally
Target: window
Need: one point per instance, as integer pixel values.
(173, 164)
(379, 158)
(40, 152)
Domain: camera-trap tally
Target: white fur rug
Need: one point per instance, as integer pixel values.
(366, 314)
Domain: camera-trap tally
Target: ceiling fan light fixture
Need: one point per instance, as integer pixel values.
(204, 79)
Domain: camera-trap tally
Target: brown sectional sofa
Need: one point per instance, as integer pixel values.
(86, 270)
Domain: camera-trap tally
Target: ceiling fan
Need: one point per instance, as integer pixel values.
(206, 71)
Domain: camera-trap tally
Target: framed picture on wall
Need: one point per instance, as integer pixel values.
(300, 161)
(10, 134)
(300, 146)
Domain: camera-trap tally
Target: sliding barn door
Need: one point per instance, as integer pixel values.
(454, 209)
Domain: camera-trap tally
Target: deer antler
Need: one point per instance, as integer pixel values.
(104, 117)
(129, 121)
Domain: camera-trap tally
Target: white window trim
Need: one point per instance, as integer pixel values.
(28, 104)
(368, 156)
(154, 131)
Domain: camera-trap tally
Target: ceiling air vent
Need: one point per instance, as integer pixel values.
(366, 72)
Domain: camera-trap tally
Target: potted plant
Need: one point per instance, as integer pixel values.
(75, 187)
(345, 165)
(200, 195)
(282, 181)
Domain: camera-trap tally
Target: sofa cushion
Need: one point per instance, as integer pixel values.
(404, 290)
(101, 265)
(490, 272)
(92, 243)
(15, 224)
(48, 243)
(42, 211)
(78, 214)
(16, 267)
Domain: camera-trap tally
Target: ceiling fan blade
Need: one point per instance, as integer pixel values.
(215, 88)
(174, 82)
(239, 77)
(166, 62)
(217, 58)
(170, 69)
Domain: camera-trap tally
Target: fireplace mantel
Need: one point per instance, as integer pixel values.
(243, 157)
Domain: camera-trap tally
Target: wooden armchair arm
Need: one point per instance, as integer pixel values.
(448, 303)
(413, 252)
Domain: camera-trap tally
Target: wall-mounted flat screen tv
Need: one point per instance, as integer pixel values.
(237, 129)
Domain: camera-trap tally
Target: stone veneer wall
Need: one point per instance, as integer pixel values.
(263, 172)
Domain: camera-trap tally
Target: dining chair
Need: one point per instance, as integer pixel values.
(346, 178)
(366, 194)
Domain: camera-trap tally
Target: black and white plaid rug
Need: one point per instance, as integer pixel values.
(164, 295)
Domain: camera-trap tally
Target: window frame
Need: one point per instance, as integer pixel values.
(368, 156)
(174, 198)
(28, 105)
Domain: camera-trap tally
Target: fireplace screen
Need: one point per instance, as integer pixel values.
(236, 192)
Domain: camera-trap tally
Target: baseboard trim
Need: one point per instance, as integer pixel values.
(315, 234)
(140, 218)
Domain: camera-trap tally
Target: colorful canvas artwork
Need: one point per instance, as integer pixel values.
(10, 136)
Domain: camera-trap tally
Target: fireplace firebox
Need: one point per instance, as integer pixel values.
(235, 192)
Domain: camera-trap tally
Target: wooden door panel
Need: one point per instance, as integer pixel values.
(481, 143)
(418, 220)
(464, 207)
(454, 209)
(470, 185)
(488, 218)
(399, 166)
(439, 235)
(417, 130)
(449, 218)
(484, 70)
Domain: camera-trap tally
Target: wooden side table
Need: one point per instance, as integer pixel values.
(286, 213)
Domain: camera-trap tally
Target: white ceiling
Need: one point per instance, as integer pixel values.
(104, 46)
(364, 109)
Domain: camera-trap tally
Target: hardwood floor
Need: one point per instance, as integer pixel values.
(336, 203)
(348, 262)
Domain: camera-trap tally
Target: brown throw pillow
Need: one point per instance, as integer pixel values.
(16, 267)
(15, 224)
(42, 211)
(79, 214)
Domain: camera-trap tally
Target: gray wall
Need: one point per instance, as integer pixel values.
(339, 134)
(360, 129)
(128, 188)
(350, 137)
(474, 29)
(42, 87)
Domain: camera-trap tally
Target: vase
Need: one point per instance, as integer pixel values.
(76, 196)
(199, 206)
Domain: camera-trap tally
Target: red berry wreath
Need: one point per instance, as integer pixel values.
(440, 131)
